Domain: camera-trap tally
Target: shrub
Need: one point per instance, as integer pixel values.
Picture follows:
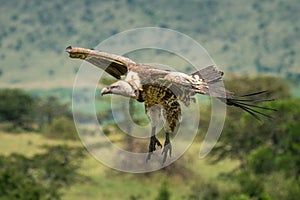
(261, 160)
(42, 176)
(163, 193)
(61, 128)
(16, 107)
(204, 190)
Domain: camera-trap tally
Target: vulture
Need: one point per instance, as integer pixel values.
(162, 90)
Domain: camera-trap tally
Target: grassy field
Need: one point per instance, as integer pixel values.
(105, 183)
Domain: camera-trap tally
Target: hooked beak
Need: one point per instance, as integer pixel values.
(133, 95)
(105, 90)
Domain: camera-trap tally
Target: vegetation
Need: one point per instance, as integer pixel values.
(13, 109)
(21, 110)
(163, 193)
(41, 176)
(62, 128)
(243, 37)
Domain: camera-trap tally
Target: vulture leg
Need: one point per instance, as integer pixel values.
(154, 115)
(167, 147)
(171, 115)
(153, 142)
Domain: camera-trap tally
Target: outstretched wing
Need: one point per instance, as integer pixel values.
(115, 65)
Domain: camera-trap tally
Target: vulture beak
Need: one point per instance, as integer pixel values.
(133, 95)
(105, 90)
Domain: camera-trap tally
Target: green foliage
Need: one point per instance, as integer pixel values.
(19, 111)
(278, 186)
(275, 186)
(268, 150)
(163, 192)
(16, 183)
(61, 128)
(50, 108)
(16, 107)
(41, 177)
(280, 142)
(251, 132)
(277, 88)
(204, 191)
(250, 184)
(261, 160)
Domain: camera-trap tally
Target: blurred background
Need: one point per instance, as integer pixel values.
(256, 43)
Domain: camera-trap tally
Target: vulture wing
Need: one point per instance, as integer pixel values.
(115, 65)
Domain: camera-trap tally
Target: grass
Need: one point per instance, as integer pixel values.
(106, 183)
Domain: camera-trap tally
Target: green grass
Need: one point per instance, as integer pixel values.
(106, 183)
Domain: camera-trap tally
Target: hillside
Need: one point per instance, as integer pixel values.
(243, 37)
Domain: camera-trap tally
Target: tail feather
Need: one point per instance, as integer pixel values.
(248, 107)
(254, 94)
(209, 74)
(255, 100)
(255, 106)
(210, 84)
(256, 114)
(210, 79)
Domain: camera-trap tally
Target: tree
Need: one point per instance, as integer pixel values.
(61, 128)
(16, 107)
(41, 177)
(268, 150)
(48, 109)
(242, 133)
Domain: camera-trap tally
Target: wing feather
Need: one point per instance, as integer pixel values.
(113, 64)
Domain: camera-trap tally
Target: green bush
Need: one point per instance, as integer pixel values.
(163, 193)
(261, 160)
(250, 184)
(61, 128)
(239, 197)
(204, 191)
(16, 107)
(42, 176)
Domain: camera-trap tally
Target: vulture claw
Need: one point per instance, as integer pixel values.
(167, 148)
(152, 146)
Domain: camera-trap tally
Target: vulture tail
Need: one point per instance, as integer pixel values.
(214, 87)
(249, 106)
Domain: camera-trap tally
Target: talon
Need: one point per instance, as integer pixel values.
(149, 156)
(158, 143)
(167, 148)
(152, 146)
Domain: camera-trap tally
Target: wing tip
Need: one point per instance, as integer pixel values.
(69, 48)
(77, 52)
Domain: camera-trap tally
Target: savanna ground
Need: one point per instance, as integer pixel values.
(105, 183)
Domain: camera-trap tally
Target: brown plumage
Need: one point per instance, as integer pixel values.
(161, 90)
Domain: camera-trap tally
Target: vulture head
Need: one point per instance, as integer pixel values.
(122, 88)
